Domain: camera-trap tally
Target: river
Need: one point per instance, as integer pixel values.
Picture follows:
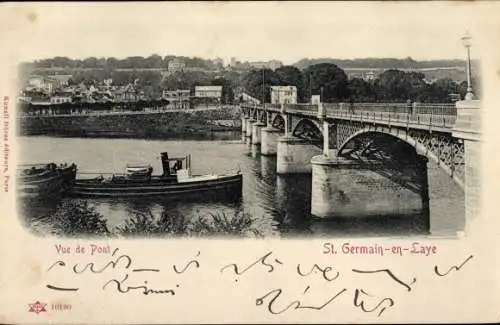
(279, 204)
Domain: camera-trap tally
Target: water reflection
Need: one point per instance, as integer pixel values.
(293, 201)
(268, 168)
(255, 150)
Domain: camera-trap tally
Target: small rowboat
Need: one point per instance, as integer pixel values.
(176, 181)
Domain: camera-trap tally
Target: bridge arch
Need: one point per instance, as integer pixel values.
(278, 121)
(298, 123)
(309, 130)
(404, 136)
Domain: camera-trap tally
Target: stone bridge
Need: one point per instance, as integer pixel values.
(370, 157)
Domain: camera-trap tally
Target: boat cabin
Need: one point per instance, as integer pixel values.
(172, 165)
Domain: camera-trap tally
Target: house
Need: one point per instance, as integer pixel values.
(60, 97)
(208, 92)
(41, 84)
(273, 65)
(283, 95)
(369, 76)
(126, 93)
(36, 81)
(40, 100)
(177, 98)
(59, 80)
(176, 65)
(315, 99)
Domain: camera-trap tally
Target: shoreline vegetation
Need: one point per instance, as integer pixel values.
(77, 219)
(158, 126)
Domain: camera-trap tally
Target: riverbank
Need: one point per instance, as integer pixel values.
(164, 125)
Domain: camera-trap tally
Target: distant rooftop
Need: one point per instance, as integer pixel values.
(209, 87)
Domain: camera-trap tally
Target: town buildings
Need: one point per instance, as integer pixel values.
(283, 95)
(57, 90)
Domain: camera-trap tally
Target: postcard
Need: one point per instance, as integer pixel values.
(249, 162)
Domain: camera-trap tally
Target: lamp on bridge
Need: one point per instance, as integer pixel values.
(466, 41)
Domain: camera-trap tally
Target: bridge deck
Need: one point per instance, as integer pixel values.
(441, 122)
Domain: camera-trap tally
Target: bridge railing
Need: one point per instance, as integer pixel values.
(432, 120)
(275, 107)
(431, 108)
(302, 107)
(379, 107)
(423, 114)
(416, 108)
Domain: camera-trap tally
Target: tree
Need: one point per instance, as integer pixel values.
(415, 85)
(476, 88)
(398, 85)
(227, 89)
(361, 91)
(112, 63)
(258, 80)
(90, 62)
(291, 76)
(331, 78)
(440, 90)
(154, 61)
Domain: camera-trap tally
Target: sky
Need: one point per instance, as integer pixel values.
(252, 31)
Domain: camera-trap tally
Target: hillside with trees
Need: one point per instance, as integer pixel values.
(331, 82)
(381, 63)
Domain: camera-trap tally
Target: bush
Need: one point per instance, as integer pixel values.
(77, 218)
(240, 224)
(147, 224)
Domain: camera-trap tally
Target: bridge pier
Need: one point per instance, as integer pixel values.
(269, 141)
(244, 120)
(256, 132)
(294, 155)
(468, 128)
(248, 129)
(348, 188)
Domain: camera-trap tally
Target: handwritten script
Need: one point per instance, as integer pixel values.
(323, 285)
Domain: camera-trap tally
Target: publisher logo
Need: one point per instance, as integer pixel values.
(38, 307)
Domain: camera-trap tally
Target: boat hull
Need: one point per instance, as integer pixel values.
(228, 186)
(46, 183)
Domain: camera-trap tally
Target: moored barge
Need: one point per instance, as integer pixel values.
(44, 180)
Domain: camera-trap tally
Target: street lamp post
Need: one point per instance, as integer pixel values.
(466, 41)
